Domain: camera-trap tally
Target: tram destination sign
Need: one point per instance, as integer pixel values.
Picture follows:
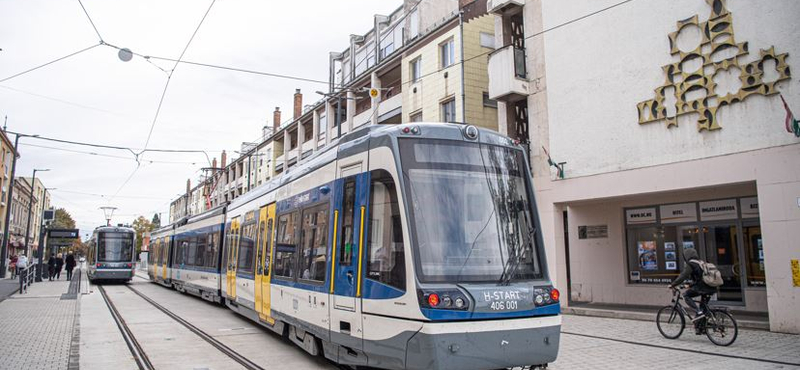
(63, 233)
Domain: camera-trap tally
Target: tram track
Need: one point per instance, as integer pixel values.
(140, 356)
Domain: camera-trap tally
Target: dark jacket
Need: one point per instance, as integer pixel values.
(692, 270)
(51, 262)
(59, 263)
(70, 262)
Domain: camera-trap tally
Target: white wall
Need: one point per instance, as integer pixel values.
(599, 68)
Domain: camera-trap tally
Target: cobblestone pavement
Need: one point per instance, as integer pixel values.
(582, 347)
(36, 328)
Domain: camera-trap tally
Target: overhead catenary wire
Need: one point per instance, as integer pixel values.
(51, 62)
(102, 154)
(91, 21)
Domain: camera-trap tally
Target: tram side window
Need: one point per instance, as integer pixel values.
(385, 239)
(191, 252)
(314, 243)
(200, 254)
(285, 245)
(260, 247)
(210, 250)
(348, 219)
(245, 263)
(215, 249)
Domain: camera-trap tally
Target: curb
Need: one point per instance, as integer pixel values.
(646, 316)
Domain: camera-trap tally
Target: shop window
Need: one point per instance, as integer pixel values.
(754, 255)
(385, 239)
(285, 245)
(314, 243)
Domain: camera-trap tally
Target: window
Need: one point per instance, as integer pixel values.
(416, 69)
(385, 239)
(449, 111)
(487, 40)
(285, 245)
(416, 116)
(246, 249)
(200, 254)
(260, 248)
(348, 219)
(268, 250)
(323, 124)
(488, 102)
(447, 53)
(413, 24)
(314, 243)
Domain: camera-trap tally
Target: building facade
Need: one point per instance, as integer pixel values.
(18, 222)
(412, 58)
(655, 127)
(6, 159)
(41, 201)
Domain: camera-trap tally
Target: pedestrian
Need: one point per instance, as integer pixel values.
(51, 266)
(59, 265)
(22, 263)
(13, 266)
(70, 264)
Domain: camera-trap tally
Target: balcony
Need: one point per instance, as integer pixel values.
(508, 80)
(502, 7)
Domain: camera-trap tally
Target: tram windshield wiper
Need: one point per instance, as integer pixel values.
(513, 262)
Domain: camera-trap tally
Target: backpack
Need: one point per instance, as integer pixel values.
(711, 274)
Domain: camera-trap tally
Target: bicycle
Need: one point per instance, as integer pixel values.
(718, 324)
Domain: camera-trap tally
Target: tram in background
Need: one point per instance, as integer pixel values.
(111, 254)
(409, 246)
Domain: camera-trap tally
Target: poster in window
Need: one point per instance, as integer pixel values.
(669, 256)
(648, 260)
(672, 265)
(669, 246)
(688, 244)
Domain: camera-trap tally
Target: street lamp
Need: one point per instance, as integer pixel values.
(4, 251)
(30, 209)
(41, 239)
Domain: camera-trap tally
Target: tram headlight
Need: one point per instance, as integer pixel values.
(539, 299)
(446, 301)
(460, 302)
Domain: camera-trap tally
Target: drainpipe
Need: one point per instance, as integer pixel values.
(463, 85)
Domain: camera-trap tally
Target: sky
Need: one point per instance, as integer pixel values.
(95, 97)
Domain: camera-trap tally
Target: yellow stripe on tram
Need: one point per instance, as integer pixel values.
(333, 259)
(360, 251)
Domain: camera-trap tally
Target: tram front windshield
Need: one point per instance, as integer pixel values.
(470, 211)
(114, 247)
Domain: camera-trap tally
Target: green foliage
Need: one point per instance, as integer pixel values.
(141, 225)
(63, 220)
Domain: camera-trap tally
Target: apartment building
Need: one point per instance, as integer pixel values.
(41, 201)
(664, 126)
(6, 159)
(18, 222)
(412, 58)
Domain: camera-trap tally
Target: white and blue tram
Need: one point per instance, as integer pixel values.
(111, 254)
(405, 247)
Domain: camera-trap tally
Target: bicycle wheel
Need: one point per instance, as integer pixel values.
(721, 328)
(670, 322)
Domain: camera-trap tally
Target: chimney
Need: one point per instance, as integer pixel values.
(223, 159)
(276, 118)
(188, 186)
(298, 104)
(214, 164)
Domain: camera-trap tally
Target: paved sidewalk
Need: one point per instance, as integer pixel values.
(592, 342)
(36, 330)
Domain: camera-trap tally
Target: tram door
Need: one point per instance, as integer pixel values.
(233, 253)
(164, 260)
(347, 273)
(156, 256)
(263, 258)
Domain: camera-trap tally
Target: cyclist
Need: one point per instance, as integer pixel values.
(698, 288)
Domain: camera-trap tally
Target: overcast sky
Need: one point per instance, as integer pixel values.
(94, 97)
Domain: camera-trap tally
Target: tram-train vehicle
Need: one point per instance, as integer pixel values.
(111, 254)
(410, 246)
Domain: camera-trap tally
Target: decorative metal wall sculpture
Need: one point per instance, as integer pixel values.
(714, 51)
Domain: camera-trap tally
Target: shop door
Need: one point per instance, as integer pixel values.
(722, 249)
(233, 252)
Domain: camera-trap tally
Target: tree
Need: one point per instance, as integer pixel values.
(156, 221)
(141, 226)
(63, 220)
